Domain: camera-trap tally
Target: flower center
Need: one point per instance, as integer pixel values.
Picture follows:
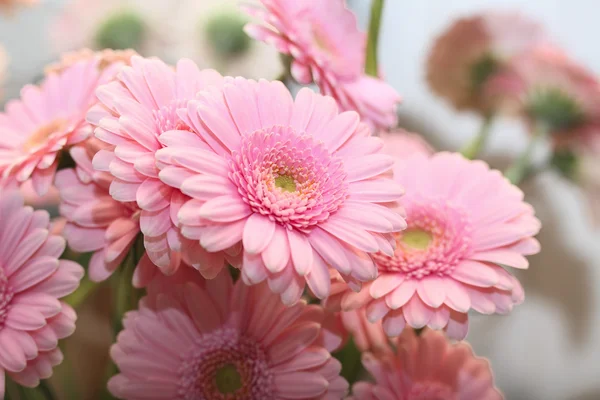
(289, 177)
(42, 134)
(226, 366)
(225, 34)
(481, 70)
(438, 237)
(124, 30)
(431, 391)
(6, 295)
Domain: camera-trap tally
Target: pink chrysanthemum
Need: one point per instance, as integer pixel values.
(197, 339)
(298, 184)
(472, 50)
(95, 222)
(134, 113)
(32, 280)
(464, 222)
(400, 144)
(331, 54)
(427, 367)
(36, 128)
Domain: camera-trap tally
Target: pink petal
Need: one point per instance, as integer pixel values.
(258, 232)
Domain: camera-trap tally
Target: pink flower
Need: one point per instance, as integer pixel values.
(134, 113)
(105, 58)
(300, 185)
(331, 54)
(36, 128)
(197, 339)
(464, 222)
(472, 50)
(400, 144)
(427, 367)
(4, 60)
(32, 280)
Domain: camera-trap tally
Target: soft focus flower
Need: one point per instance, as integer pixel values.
(427, 367)
(106, 58)
(472, 50)
(299, 184)
(3, 70)
(32, 280)
(36, 128)
(197, 339)
(10, 5)
(331, 54)
(464, 223)
(400, 144)
(134, 112)
(545, 86)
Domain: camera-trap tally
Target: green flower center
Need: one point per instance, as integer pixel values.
(228, 379)
(417, 239)
(124, 30)
(225, 34)
(555, 108)
(286, 183)
(482, 70)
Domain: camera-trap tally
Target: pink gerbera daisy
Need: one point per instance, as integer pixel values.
(134, 113)
(300, 185)
(464, 223)
(197, 339)
(36, 128)
(32, 280)
(427, 367)
(331, 54)
(400, 143)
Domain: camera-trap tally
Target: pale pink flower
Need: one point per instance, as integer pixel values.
(134, 112)
(35, 129)
(331, 54)
(197, 339)
(464, 223)
(427, 367)
(400, 143)
(32, 280)
(106, 57)
(475, 48)
(299, 184)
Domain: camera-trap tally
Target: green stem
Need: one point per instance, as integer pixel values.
(46, 390)
(519, 169)
(474, 147)
(350, 358)
(85, 289)
(373, 39)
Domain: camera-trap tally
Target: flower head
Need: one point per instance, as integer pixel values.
(427, 367)
(465, 223)
(106, 58)
(220, 340)
(134, 112)
(472, 50)
(299, 185)
(46, 120)
(401, 144)
(331, 54)
(32, 280)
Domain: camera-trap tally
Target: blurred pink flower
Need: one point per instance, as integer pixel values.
(3, 70)
(48, 118)
(134, 113)
(106, 58)
(472, 50)
(32, 280)
(200, 339)
(10, 5)
(427, 367)
(299, 184)
(464, 222)
(401, 144)
(331, 54)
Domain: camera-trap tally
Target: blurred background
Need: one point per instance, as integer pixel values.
(546, 349)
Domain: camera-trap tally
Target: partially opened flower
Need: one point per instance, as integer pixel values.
(134, 112)
(545, 86)
(427, 367)
(472, 50)
(330, 54)
(32, 280)
(300, 185)
(35, 129)
(465, 223)
(197, 339)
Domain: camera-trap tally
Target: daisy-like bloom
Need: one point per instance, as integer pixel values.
(427, 367)
(400, 143)
(134, 113)
(300, 185)
(545, 86)
(330, 54)
(105, 57)
(464, 223)
(197, 339)
(32, 280)
(35, 129)
(472, 50)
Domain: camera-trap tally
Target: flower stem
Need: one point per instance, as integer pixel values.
(373, 39)
(350, 358)
(474, 147)
(519, 169)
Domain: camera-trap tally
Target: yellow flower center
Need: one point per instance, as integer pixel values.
(228, 379)
(286, 183)
(417, 239)
(41, 135)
